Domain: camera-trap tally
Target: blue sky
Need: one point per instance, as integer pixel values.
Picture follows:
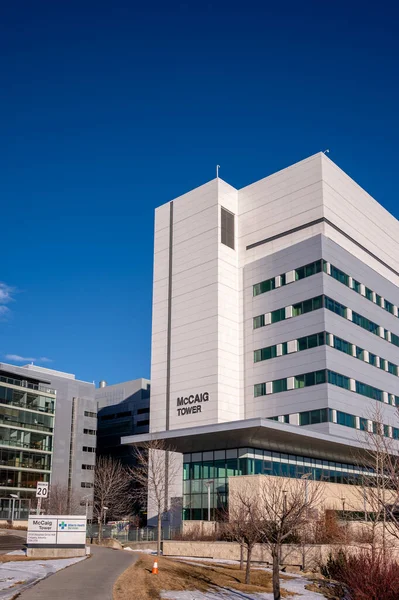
(109, 109)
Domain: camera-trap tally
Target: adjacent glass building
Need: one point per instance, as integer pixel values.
(27, 410)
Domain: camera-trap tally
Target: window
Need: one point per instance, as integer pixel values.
(89, 431)
(369, 391)
(312, 417)
(87, 413)
(278, 315)
(264, 286)
(259, 321)
(308, 270)
(86, 484)
(307, 306)
(389, 307)
(395, 339)
(364, 323)
(227, 226)
(336, 307)
(259, 389)
(88, 467)
(339, 275)
(88, 449)
(279, 385)
(338, 380)
(311, 341)
(143, 423)
(309, 379)
(342, 345)
(346, 419)
(372, 359)
(393, 369)
(369, 294)
(142, 411)
(356, 286)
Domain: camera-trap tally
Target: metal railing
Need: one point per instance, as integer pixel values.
(133, 534)
(27, 384)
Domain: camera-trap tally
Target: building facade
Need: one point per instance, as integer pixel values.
(27, 410)
(123, 409)
(68, 434)
(275, 335)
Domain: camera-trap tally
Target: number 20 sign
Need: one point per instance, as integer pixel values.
(42, 489)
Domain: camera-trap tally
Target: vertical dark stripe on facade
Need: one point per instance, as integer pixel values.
(169, 333)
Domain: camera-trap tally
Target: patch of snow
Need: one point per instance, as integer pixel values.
(17, 576)
(143, 550)
(17, 553)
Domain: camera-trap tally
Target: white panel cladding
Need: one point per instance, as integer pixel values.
(354, 211)
(213, 339)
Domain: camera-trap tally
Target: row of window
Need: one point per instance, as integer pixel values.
(89, 431)
(326, 415)
(120, 415)
(86, 484)
(88, 449)
(317, 267)
(322, 301)
(88, 413)
(320, 339)
(323, 376)
(88, 467)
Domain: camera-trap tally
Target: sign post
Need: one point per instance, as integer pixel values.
(41, 492)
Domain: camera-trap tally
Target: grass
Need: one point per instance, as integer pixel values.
(5, 558)
(175, 575)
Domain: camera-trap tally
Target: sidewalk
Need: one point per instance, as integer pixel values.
(93, 578)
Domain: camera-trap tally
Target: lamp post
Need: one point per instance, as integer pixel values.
(13, 498)
(208, 485)
(105, 508)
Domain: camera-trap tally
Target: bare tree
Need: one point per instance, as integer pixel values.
(379, 490)
(157, 468)
(61, 502)
(112, 496)
(286, 506)
(243, 523)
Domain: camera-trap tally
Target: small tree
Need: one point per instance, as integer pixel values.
(379, 490)
(112, 495)
(243, 524)
(157, 467)
(286, 506)
(61, 501)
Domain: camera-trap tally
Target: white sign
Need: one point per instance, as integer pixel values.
(42, 489)
(56, 530)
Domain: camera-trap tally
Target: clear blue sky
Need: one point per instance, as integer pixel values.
(109, 109)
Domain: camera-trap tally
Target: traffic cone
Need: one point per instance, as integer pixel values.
(155, 569)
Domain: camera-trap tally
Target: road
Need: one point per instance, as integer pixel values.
(10, 540)
(92, 578)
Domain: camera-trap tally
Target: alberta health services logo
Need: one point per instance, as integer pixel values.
(71, 526)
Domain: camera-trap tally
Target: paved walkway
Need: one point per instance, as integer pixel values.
(92, 578)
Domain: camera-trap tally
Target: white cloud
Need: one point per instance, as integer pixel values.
(5, 298)
(27, 359)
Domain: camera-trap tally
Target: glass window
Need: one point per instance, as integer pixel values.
(393, 369)
(227, 228)
(356, 286)
(278, 315)
(279, 385)
(259, 389)
(369, 294)
(259, 321)
(339, 275)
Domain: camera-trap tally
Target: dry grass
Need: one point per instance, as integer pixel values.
(175, 575)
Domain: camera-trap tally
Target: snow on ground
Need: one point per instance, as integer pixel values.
(17, 576)
(143, 550)
(295, 584)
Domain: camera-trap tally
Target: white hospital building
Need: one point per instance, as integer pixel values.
(275, 329)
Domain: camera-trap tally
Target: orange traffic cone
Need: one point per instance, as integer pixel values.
(155, 568)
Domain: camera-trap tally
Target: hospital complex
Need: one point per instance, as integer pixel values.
(275, 343)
